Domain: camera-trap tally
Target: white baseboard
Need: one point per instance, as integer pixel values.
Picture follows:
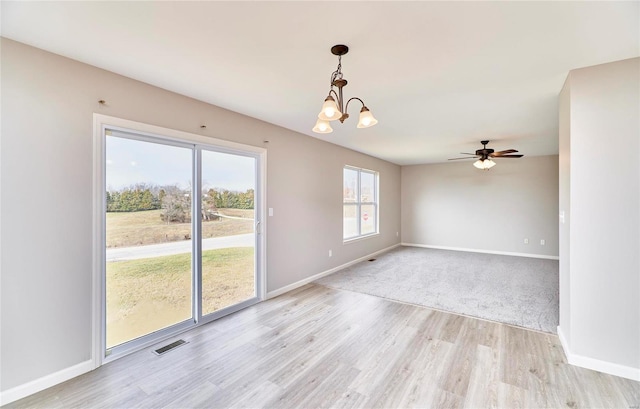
(307, 280)
(503, 253)
(563, 342)
(29, 388)
(596, 364)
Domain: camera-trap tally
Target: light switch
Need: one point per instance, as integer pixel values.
(271, 211)
(562, 217)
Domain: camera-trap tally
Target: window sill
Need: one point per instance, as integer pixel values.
(359, 238)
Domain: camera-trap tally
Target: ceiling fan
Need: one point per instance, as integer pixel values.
(485, 155)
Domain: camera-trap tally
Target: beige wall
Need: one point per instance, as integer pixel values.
(456, 205)
(46, 207)
(601, 321)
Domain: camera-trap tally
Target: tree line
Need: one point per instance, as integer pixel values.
(176, 202)
(132, 200)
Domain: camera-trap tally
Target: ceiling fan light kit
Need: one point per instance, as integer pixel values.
(334, 106)
(485, 156)
(485, 164)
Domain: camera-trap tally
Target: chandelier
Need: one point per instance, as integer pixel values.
(334, 106)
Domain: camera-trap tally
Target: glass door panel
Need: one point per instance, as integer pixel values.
(148, 237)
(228, 236)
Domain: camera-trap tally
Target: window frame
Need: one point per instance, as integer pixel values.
(359, 203)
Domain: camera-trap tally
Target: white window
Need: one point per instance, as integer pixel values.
(360, 203)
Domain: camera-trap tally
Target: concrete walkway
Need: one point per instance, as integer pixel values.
(178, 247)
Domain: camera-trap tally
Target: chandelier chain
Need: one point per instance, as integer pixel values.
(337, 74)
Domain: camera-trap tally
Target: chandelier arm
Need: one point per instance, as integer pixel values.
(347, 107)
(338, 97)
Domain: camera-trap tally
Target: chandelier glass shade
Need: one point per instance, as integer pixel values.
(334, 106)
(366, 119)
(322, 126)
(330, 110)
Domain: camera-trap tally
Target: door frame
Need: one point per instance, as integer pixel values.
(100, 124)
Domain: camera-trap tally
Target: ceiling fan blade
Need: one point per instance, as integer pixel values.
(462, 158)
(466, 153)
(509, 156)
(501, 153)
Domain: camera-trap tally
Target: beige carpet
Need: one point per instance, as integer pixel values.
(520, 291)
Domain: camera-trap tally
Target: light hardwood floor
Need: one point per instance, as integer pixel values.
(317, 347)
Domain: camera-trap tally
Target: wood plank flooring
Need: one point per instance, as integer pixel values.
(317, 347)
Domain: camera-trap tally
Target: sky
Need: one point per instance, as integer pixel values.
(130, 162)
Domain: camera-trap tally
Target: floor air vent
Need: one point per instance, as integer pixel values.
(169, 347)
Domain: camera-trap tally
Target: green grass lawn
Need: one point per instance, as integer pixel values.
(126, 229)
(149, 294)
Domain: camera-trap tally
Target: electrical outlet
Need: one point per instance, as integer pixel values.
(542, 242)
(526, 241)
(330, 253)
(397, 234)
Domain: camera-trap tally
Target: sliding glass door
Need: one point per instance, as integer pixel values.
(180, 236)
(148, 227)
(228, 223)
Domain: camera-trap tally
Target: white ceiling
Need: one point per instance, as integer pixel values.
(439, 76)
